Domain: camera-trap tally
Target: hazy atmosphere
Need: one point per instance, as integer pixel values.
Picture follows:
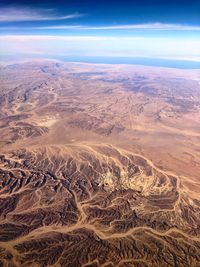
(171, 29)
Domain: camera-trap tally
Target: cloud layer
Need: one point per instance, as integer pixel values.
(147, 26)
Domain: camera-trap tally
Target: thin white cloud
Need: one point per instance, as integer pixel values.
(12, 14)
(147, 26)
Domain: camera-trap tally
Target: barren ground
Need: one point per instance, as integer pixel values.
(99, 165)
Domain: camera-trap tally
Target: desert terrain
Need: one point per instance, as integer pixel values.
(99, 165)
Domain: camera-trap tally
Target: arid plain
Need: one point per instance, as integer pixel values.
(99, 165)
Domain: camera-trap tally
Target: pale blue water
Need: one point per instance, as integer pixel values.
(179, 64)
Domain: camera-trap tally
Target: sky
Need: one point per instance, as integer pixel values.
(150, 29)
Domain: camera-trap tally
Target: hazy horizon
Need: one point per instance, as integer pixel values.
(157, 30)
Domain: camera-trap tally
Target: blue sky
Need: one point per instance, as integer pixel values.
(154, 29)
